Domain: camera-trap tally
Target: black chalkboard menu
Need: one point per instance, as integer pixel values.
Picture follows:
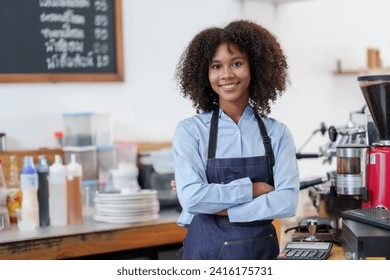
(60, 40)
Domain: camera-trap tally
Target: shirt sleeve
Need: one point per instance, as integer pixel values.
(195, 194)
(282, 202)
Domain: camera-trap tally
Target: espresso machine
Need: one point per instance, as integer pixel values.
(376, 92)
(363, 170)
(362, 179)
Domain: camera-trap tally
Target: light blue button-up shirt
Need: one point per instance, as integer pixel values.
(196, 195)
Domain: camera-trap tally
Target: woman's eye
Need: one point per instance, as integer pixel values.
(216, 66)
(236, 64)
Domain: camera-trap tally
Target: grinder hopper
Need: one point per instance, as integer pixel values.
(376, 92)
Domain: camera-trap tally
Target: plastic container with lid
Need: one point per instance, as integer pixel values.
(89, 189)
(57, 190)
(87, 157)
(126, 152)
(78, 129)
(106, 161)
(102, 129)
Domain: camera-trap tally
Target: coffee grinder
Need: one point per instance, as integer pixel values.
(376, 92)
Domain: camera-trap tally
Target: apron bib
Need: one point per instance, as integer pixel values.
(213, 237)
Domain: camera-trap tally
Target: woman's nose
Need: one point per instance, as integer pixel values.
(227, 72)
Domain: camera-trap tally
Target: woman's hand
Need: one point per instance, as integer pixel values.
(260, 188)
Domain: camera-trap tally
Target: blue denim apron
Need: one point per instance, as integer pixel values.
(212, 237)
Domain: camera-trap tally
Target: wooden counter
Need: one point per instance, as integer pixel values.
(90, 238)
(93, 238)
(337, 253)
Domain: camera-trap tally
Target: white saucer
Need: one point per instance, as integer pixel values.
(114, 214)
(129, 206)
(135, 195)
(107, 219)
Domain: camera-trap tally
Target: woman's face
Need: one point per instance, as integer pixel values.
(229, 75)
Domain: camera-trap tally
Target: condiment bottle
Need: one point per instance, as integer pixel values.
(29, 185)
(43, 191)
(74, 191)
(57, 190)
(14, 192)
(4, 214)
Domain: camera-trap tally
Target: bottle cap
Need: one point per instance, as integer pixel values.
(73, 168)
(57, 171)
(57, 160)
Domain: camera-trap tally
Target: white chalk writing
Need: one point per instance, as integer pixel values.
(102, 61)
(64, 31)
(67, 17)
(65, 3)
(57, 61)
(101, 20)
(64, 46)
(101, 5)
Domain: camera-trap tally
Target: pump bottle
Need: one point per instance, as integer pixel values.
(29, 185)
(57, 191)
(43, 191)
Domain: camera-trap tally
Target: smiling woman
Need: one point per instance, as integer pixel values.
(232, 189)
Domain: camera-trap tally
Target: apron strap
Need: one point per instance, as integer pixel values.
(268, 147)
(213, 134)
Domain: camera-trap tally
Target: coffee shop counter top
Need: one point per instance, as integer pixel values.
(90, 238)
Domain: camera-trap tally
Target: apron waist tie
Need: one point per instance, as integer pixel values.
(225, 220)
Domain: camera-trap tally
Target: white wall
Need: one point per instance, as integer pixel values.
(314, 35)
(147, 105)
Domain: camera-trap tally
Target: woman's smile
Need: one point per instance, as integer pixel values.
(229, 86)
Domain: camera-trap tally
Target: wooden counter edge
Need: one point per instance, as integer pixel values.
(86, 244)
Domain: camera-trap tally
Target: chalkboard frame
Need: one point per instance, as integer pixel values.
(118, 75)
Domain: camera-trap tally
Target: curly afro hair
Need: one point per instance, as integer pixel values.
(268, 65)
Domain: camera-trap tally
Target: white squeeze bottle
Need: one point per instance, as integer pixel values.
(29, 185)
(57, 193)
(74, 191)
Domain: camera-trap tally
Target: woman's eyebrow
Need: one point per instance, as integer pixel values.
(234, 58)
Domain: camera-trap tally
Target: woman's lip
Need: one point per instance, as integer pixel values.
(229, 86)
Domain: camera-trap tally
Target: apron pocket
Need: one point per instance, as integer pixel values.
(263, 247)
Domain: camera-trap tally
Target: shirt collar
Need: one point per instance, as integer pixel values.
(248, 113)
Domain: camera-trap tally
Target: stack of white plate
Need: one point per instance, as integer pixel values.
(134, 207)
